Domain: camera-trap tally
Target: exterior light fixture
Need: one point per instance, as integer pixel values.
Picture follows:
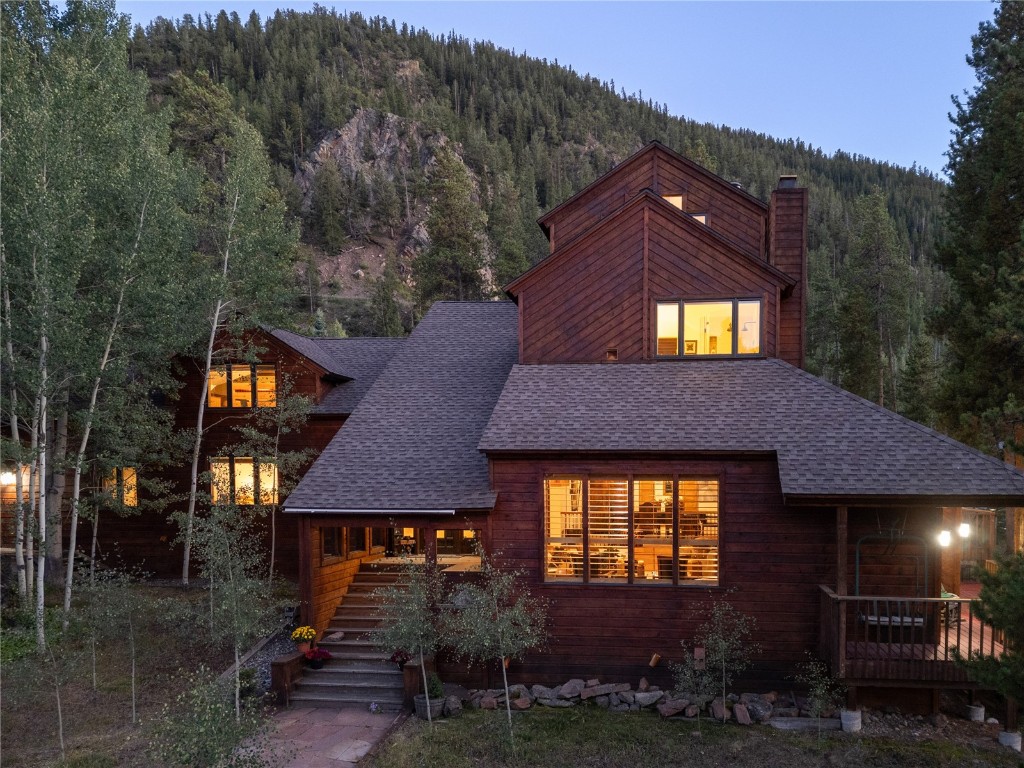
(945, 538)
(7, 478)
(964, 530)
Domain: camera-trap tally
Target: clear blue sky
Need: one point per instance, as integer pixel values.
(870, 78)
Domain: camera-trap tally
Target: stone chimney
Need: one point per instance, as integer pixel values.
(787, 251)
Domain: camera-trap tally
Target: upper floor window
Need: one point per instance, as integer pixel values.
(730, 327)
(122, 485)
(679, 201)
(240, 480)
(242, 385)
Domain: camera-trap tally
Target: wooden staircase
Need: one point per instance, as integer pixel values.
(359, 672)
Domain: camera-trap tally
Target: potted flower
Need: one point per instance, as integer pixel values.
(400, 658)
(302, 637)
(315, 657)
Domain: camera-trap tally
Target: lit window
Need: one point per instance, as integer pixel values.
(240, 385)
(122, 485)
(238, 479)
(708, 328)
(666, 533)
(679, 201)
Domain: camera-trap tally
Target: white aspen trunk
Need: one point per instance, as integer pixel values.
(131, 645)
(508, 703)
(41, 550)
(197, 448)
(92, 549)
(76, 487)
(19, 486)
(426, 689)
(60, 711)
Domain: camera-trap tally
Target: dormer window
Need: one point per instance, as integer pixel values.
(709, 328)
(241, 385)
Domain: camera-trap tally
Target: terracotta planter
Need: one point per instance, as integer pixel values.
(302, 647)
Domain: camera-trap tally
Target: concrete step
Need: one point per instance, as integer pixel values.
(319, 698)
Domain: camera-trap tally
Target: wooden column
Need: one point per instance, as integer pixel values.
(305, 570)
(841, 549)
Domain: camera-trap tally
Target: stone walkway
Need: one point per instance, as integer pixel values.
(329, 738)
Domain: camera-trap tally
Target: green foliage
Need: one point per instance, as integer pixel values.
(495, 618)
(200, 728)
(435, 688)
(824, 692)
(1001, 605)
(726, 636)
(984, 253)
(384, 309)
(450, 267)
(330, 206)
(694, 678)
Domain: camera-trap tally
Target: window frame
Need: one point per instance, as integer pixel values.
(681, 304)
(631, 578)
(257, 490)
(228, 371)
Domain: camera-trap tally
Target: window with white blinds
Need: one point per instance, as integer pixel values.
(651, 531)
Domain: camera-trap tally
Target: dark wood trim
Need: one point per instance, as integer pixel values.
(522, 310)
(842, 528)
(646, 283)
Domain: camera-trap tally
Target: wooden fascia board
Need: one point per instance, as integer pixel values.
(890, 500)
(648, 197)
(631, 455)
(315, 367)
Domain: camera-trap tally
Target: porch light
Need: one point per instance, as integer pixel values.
(7, 478)
(964, 530)
(945, 538)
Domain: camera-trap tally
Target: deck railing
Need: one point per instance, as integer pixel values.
(874, 638)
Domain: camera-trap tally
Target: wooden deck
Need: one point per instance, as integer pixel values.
(901, 641)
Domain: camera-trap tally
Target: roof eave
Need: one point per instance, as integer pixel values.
(901, 500)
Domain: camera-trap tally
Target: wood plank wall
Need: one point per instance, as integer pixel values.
(772, 559)
(730, 213)
(591, 298)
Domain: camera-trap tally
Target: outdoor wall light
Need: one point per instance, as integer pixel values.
(945, 538)
(964, 530)
(7, 478)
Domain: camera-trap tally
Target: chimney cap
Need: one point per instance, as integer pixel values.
(787, 181)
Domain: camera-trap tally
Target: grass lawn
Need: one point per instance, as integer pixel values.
(589, 736)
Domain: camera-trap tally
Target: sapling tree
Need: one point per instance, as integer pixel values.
(497, 619)
(227, 542)
(824, 692)
(410, 613)
(694, 679)
(726, 638)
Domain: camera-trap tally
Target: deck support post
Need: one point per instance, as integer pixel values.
(841, 549)
(851, 698)
(1011, 714)
(305, 570)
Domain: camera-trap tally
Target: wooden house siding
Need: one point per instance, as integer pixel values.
(598, 293)
(772, 558)
(731, 212)
(590, 298)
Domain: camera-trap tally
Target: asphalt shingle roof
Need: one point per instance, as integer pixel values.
(363, 360)
(828, 442)
(313, 349)
(411, 444)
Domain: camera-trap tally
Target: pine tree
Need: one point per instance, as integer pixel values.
(329, 208)
(450, 268)
(984, 256)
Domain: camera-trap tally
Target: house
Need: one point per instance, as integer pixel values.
(333, 374)
(634, 431)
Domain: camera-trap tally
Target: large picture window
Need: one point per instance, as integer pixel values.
(240, 480)
(652, 531)
(709, 328)
(122, 485)
(241, 385)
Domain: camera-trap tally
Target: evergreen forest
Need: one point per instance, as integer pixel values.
(509, 137)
